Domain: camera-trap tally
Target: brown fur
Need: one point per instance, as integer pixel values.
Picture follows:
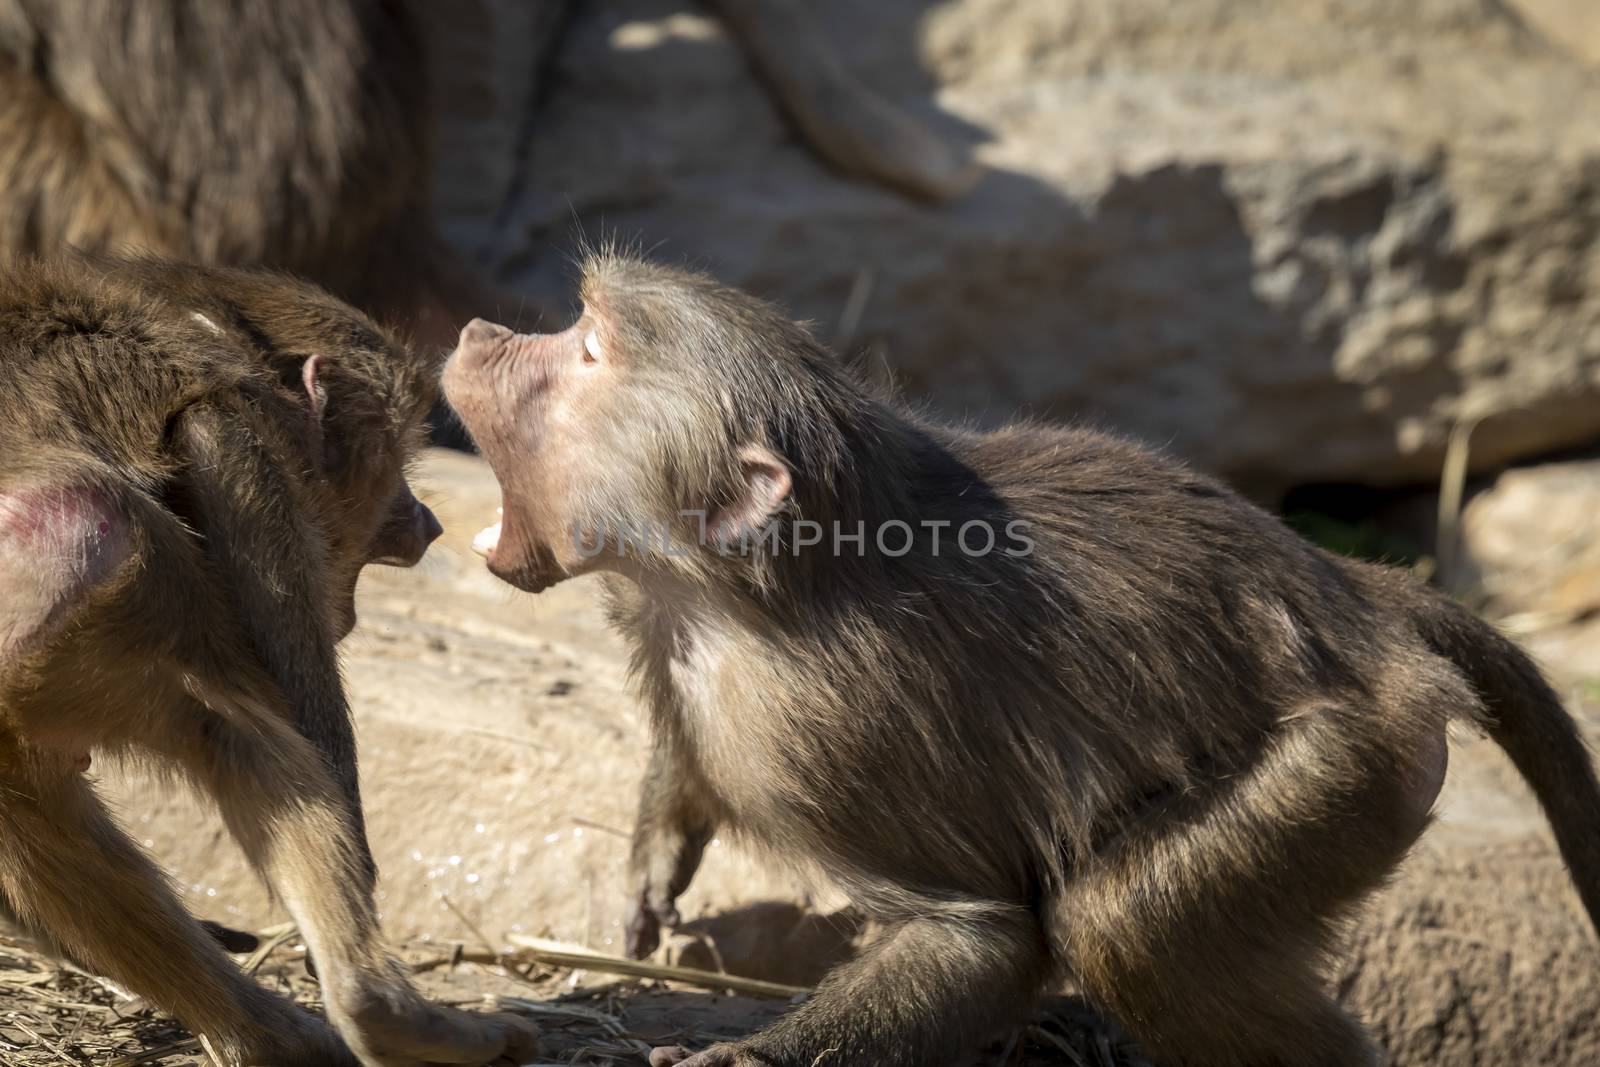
(197, 465)
(1169, 751)
(294, 134)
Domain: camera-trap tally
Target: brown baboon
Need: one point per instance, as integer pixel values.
(294, 134)
(1042, 700)
(197, 464)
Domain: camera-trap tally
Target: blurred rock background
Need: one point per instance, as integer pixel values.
(1298, 242)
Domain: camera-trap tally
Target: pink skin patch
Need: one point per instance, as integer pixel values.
(56, 545)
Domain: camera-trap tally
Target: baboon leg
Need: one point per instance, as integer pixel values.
(677, 816)
(273, 577)
(845, 122)
(1206, 930)
(78, 883)
(922, 994)
(292, 820)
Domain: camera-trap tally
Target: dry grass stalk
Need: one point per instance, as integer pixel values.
(559, 954)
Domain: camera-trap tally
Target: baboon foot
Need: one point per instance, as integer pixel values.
(715, 1056)
(413, 1032)
(642, 935)
(291, 1038)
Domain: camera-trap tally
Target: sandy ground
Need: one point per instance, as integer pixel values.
(501, 751)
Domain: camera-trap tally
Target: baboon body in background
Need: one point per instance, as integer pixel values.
(847, 124)
(1121, 724)
(295, 134)
(195, 465)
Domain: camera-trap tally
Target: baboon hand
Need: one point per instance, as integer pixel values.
(654, 909)
(666, 853)
(715, 1056)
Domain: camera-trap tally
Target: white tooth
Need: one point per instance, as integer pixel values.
(487, 539)
(591, 344)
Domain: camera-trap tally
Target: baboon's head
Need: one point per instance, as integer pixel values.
(672, 418)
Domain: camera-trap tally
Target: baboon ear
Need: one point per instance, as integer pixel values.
(763, 488)
(56, 545)
(316, 393)
(316, 407)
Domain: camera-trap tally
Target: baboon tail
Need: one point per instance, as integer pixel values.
(1526, 719)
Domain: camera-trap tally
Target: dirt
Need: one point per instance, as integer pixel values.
(501, 751)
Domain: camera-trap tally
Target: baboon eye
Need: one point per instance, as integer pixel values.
(591, 348)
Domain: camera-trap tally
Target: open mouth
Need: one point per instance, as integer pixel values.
(514, 558)
(488, 538)
(501, 553)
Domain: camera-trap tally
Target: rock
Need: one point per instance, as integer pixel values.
(488, 60)
(1531, 539)
(1572, 24)
(1479, 955)
(1297, 242)
(1530, 554)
